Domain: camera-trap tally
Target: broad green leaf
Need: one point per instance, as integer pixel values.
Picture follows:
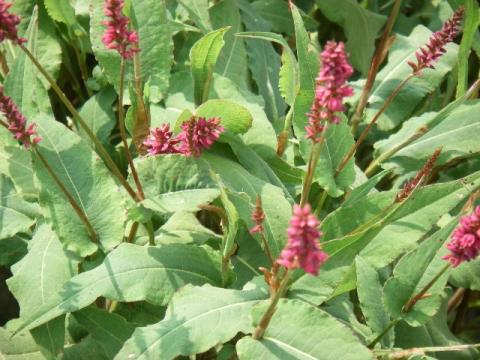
(234, 117)
(313, 334)
(396, 69)
(19, 347)
(99, 116)
(361, 27)
(414, 270)
(370, 295)
(24, 9)
(231, 228)
(87, 180)
(176, 183)
(466, 275)
(61, 11)
(132, 273)
(198, 11)
(277, 13)
(12, 250)
(288, 76)
(232, 62)
(108, 330)
(364, 189)
(16, 163)
(86, 349)
(16, 215)
(203, 57)
(470, 27)
(246, 186)
(184, 228)
(264, 62)
(42, 272)
(197, 319)
(453, 134)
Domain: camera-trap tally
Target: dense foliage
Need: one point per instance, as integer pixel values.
(251, 179)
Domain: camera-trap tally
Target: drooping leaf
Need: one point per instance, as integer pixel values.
(176, 183)
(87, 180)
(197, 319)
(313, 335)
(233, 116)
(132, 273)
(203, 57)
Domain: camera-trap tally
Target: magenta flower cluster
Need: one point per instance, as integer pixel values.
(303, 248)
(196, 136)
(117, 36)
(16, 122)
(435, 48)
(465, 242)
(258, 217)
(331, 88)
(8, 24)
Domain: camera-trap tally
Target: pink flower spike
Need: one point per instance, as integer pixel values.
(435, 48)
(117, 36)
(16, 122)
(258, 217)
(160, 141)
(465, 242)
(303, 248)
(198, 135)
(8, 24)
(330, 90)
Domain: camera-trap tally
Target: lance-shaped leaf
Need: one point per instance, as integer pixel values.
(233, 116)
(87, 180)
(415, 270)
(176, 183)
(133, 273)
(197, 319)
(301, 331)
(203, 57)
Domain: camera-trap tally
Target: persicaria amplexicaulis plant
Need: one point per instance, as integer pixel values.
(275, 213)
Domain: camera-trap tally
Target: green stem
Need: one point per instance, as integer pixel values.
(76, 116)
(267, 316)
(123, 134)
(283, 136)
(384, 332)
(266, 248)
(133, 232)
(321, 202)
(81, 214)
(83, 70)
(151, 234)
(365, 132)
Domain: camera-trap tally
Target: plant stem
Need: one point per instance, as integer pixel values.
(312, 164)
(133, 232)
(321, 202)
(266, 248)
(365, 132)
(81, 214)
(141, 115)
(76, 116)
(123, 134)
(151, 234)
(283, 136)
(384, 332)
(83, 70)
(408, 353)
(377, 60)
(267, 316)
(414, 299)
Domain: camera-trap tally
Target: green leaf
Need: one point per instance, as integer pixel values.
(365, 189)
(232, 62)
(99, 116)
(86, 349)
(264, 62)
(234, 117)
(453, 134)
(16, 163)
(470, 27)
(198, 11)
(87, 180)
(41, 273)
(276, 207)
(466, 275)
(370, 295)
(61, 11)
(12, 250)
(313, 335)
(132, 273)
(176, 183)
(16, 214)
(397, 69)
(18, 347)
(108, 330)
(203, 57)
(415, 270)
(277, 13)
(230, 232)
(197, 319)
(361, 27)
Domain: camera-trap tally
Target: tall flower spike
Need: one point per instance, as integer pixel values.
(303, 248)
(331, 88)
(117, 36)
(258, 216)
(419, 177)
(465, 242)
(435, 48)
(198, 134)
(160, 141)
(16, 122)
(8, 24)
